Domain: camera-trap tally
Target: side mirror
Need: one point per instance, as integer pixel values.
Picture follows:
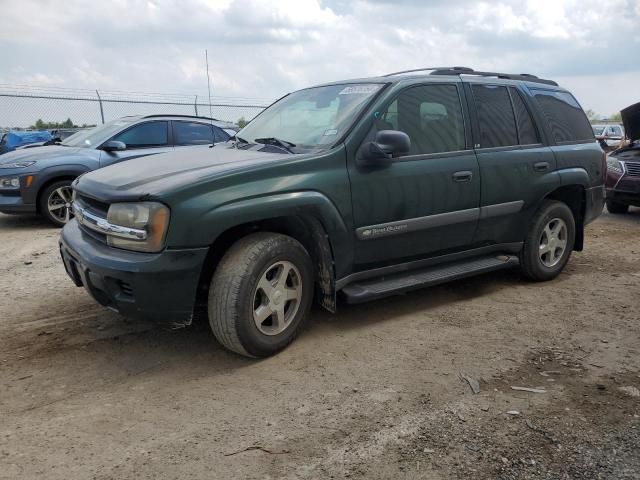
(114, 146)
(388, 145)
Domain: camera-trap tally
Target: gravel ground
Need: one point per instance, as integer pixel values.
(372, 392)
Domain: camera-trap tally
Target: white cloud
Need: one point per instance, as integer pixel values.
(264, 48)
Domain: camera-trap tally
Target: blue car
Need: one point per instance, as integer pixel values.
(38, 180)
(11, 140)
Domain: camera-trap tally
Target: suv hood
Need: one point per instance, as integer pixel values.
(144, 177)
(49, 155)
(631, 121)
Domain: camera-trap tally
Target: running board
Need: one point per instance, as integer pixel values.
(393, 284)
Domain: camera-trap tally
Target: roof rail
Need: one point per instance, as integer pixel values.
(427, 69)
(526, 77)
(180, 116)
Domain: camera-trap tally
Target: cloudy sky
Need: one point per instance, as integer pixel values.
(265, 48)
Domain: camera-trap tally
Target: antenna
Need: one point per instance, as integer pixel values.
(206, 60)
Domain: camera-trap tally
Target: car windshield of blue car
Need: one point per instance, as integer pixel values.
(95, 136)
(310, 119)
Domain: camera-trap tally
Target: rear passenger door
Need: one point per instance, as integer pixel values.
(425, 202)
(142, 139)
(516, 168)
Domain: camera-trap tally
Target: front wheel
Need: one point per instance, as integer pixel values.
(549, 241)
(55, 203)
(615, 207)
(260, 294)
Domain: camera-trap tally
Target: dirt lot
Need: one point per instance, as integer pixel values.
(372, 392)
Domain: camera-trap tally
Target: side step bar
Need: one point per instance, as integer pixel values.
(393, 284)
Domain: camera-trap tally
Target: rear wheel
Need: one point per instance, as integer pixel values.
(55, 202)
(260, 294)
(549, 241)
(615, 207)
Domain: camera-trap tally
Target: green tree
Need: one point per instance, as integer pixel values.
(616, 117)
(42, 125)
(241, 122)
(591, 115)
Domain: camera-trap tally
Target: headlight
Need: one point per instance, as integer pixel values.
(615, 165)
(150, 218)
(17, 164)
(9, 183)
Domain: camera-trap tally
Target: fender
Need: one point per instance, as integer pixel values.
(211, 224)
(45, 175)
(574, 176)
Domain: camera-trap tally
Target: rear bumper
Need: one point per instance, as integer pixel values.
(159, 287)
(594, 203)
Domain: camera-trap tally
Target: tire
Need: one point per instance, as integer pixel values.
(615, 207)
(238, 302)
(536, 265)
(58, 194)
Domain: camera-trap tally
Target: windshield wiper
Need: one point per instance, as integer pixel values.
(239, 140)
(276, 142)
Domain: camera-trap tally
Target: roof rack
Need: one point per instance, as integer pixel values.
(180, 116)
(526, 77)
(426, 69)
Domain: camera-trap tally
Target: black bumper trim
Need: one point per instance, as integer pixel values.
(160, 287)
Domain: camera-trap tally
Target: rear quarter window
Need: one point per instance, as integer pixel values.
(567, 120)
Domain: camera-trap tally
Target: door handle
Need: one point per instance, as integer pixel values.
(464, 176)
(541, 166)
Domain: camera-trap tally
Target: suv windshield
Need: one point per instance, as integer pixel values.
(95, 136)
(310, 119)
(598, 130)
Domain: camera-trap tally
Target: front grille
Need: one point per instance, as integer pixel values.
(94, 206)
(633, 169)
(97, 208)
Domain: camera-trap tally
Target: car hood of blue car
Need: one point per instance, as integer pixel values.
(51, 155)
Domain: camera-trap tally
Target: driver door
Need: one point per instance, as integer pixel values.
(426, 202)
(142, 139)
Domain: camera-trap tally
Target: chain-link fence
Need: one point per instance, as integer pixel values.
(21, 106)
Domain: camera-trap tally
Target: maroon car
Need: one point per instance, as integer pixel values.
(623, 166)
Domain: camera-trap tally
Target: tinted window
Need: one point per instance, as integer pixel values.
(192, 133)
(149, 134)
(527, 132)
(495, 116)
(566, 119)
(220, 135)
(432, 117)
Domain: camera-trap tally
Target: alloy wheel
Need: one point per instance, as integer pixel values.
(59, 204)
(277, 298)
(553, 242)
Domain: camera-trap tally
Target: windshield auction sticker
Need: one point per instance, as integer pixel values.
(359, 89)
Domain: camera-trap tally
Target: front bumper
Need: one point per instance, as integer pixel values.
(625, 190)
(156, 286)
(15, 204)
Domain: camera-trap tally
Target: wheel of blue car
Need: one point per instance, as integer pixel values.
(260, 294)
(55, 203)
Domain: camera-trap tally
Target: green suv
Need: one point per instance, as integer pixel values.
(360, 189)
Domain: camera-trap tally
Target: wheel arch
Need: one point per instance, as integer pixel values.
(305, 228)
(52, 175)
(574, 196)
